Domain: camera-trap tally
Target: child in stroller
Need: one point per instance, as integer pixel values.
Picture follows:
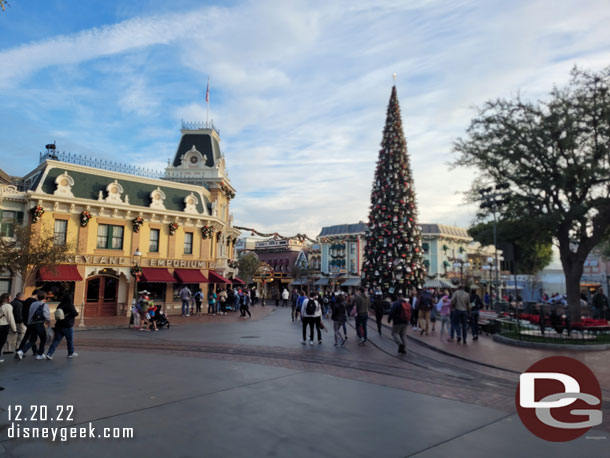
(159, 318)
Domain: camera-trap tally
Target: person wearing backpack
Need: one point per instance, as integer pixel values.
(311, 311)
(7, 320)
(39, 317)
(426, 302)
(198, 300)
(212, 302)
(64, 326)
(399, 317)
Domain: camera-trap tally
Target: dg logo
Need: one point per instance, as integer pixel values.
(559, 399)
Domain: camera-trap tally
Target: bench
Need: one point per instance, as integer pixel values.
(487, 322)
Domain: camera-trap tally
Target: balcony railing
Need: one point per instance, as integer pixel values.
(80, 159)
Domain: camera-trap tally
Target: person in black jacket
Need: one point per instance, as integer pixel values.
(14, 338)
(25, 310)
(476, 304)
(64, 328)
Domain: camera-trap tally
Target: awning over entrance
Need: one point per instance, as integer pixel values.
(217, 278)
(62, 272)
(190, 276)
(351, 282)
(238, 281)
(321, 282)
(151, 275)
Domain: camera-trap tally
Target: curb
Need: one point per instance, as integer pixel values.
(549, 346)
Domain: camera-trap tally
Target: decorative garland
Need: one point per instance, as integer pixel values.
(227, 191)
(137, 223)
(85, 216)
(37, 213)
(172, 228)
(345, 238)
(135, 271)
(233, 264)
(276, 236)
(207, 232)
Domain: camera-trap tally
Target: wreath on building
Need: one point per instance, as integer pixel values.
(85, 216)
(206, 232)
(37, 213)
(137, 223)
(135, 271)
(172, 228)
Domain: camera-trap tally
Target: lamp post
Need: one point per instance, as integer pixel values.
(136, 272)
(489, 266)
(493, 198)
(461, 262)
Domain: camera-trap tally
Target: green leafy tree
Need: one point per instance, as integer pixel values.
(29, 251)
(248, 265)
(533, 250)
(555, 157)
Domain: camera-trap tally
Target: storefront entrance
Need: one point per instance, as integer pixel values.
(101, 296)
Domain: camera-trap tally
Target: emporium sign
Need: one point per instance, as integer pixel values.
(126, 261)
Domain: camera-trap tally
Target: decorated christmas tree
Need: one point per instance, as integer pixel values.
(393, 262)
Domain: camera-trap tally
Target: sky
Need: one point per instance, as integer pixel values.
(298, 90)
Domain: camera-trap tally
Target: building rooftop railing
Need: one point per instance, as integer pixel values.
(187, 125)
(81, 159)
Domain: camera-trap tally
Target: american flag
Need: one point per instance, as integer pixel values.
(207, 92)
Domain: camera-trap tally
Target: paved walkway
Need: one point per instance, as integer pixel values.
(248, 388)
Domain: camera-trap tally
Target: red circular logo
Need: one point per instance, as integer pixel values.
(559, 399)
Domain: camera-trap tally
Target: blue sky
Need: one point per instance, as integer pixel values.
(298, 89)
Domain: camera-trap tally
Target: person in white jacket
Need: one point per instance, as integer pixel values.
(285, 297)
(311, 313)
(7, 320)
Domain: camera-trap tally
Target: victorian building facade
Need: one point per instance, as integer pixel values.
(127, 232)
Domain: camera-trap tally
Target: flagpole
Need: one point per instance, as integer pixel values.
(207, 99)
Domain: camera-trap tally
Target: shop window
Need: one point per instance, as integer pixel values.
(5, 285)
(56, 289)
(110, 237)
(8, 221)
(154, 241)
(425, 247)
(193, 287)
(60, 232)
(156, 290)
(188, 243)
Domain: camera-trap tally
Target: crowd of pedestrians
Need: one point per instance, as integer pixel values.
(25, 324)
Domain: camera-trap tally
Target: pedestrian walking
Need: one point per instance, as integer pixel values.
(285, 297)
(425, 304)
(476, 304)
(39, 318)
(7, 320)
(362, 304)
(311, 312)
(339, 316)
(399, 317)
(212, 302)
(185, 296)
(294, 297)
(245, 304)
(414, 299)
(378, 306)
(15, 338)
(461, 301)
(64, 326)
(222, 300)
(443, 309)
(299, 307)
(25, 312)
(198, 296)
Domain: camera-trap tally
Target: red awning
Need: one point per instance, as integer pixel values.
(190, 276)
(217, 278)
(62, 272)
(151, 275)
(238, 281)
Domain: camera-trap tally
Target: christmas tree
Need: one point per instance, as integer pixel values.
(393, 262)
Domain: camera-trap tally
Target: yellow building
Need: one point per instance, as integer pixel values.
(177, 229)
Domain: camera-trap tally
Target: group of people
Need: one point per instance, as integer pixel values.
(219, 302)
(458, 313)
(25, 324)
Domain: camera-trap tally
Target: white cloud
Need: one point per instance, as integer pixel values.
(299, 90)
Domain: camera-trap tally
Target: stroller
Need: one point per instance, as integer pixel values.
(160, 318)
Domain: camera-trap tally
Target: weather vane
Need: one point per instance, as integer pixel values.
(394, 77)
